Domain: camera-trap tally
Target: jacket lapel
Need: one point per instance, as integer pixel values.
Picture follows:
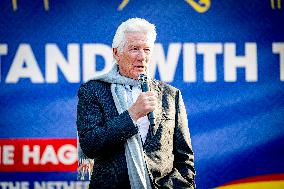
(154, 86)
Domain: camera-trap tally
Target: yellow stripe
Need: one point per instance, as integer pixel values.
(123, 4)
(256, 185)
(15, 6)
(279, 4)
(46, 5)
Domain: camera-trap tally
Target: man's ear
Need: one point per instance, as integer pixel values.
(115, 54)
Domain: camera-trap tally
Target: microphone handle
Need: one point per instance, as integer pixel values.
(151, 117)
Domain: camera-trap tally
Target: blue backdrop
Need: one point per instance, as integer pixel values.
(236, 123)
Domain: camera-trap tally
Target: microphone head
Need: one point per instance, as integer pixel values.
(142, 78)
(143, 82)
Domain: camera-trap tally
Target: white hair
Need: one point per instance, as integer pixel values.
(133, 25)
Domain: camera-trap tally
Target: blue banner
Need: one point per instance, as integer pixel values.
(226, 57)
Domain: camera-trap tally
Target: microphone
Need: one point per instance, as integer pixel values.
(145, 87)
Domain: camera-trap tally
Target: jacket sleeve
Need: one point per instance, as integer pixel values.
(183, 153)
(97, 135)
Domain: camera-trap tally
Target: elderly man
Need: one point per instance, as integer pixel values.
(113, 127)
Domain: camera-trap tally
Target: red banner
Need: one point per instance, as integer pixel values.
(38, 155)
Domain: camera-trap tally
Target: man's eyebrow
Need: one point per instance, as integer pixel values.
(131, 46)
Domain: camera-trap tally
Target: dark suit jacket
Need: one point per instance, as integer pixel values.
(103, 133)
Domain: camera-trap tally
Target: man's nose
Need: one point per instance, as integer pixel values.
(141, 55)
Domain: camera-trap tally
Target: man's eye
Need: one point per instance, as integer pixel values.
(147, 50)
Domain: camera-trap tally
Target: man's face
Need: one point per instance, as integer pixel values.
(136, 55)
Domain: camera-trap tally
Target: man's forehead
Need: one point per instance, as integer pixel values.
(137, 37)
(127, 33)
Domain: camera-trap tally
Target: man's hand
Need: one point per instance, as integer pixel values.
(145, 103)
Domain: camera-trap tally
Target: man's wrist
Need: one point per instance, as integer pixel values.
(133, 114)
